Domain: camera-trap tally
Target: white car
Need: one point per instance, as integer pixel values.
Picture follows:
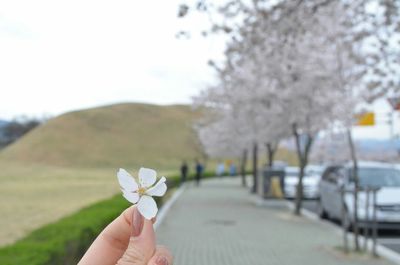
(315, 171)
(371, 174)
(310, 182)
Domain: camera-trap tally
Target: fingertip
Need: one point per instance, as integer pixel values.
(137, 223)
(148, 229)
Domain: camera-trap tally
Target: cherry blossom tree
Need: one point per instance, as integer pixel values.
(223, 138)
(298, 67)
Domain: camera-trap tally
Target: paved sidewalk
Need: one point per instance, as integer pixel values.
(219, 224)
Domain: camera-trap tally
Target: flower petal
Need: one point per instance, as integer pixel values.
(132, 197)
(147, 177)
(159, 189)
(147, 207)
(126, 181)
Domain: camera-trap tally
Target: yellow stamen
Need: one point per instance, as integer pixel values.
(141, 191)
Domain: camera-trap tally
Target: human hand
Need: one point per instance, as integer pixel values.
(128, 240)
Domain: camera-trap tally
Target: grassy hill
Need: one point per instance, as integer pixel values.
(70, 162)
(122, 135)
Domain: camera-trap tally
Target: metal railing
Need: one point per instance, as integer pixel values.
(370, 193)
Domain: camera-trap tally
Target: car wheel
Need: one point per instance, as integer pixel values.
(321, 211)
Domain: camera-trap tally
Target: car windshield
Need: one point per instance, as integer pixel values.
(379, 177)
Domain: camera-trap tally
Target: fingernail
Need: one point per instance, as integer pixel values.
(137, 223)
(161, 260)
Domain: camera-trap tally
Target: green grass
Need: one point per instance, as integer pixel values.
(65, 241)
(33, 195)
(123, 135)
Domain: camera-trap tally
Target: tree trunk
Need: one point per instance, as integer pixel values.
(255, 168)
(302, 155)
(356, 187)
(271, 150)
(243, 167)
(299, 191)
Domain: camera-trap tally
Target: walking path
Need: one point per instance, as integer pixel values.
(219, 223)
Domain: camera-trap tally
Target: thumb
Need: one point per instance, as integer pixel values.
(142, 242)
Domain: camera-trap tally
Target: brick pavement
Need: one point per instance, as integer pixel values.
(218, 223)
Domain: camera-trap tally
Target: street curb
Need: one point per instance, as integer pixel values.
(381, 250)
(167, 206)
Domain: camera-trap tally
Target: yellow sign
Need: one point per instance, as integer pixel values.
(366, 119)
(275, 189)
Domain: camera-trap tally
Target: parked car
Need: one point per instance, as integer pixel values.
(371, 174)
(315, 171)
(310, 182)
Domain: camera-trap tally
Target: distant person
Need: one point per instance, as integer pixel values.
(220, 170)
(232, 169)
(184, 172)
(199, 172)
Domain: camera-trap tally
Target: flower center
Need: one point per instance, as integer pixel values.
(142, 191)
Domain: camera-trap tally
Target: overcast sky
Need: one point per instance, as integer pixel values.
(57, 56)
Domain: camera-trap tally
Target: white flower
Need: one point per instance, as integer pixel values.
(141, 191)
